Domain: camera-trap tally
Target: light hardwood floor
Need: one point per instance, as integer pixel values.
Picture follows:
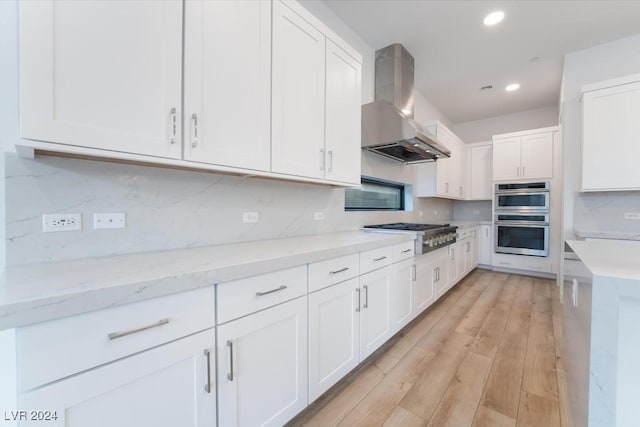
(484, 355)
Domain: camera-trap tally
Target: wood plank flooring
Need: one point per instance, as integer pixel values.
(484, 355)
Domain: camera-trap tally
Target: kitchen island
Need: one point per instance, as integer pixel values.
(601, 314)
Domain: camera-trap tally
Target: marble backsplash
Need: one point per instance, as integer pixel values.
(604, 211)
(167, 209)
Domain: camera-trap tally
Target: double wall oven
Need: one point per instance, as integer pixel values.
(521, 218)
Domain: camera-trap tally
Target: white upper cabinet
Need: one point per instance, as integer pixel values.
(610, 148)
(447, 176)
(316, 100)
(102, 74)
(479, 159)
(297, 95)
(227, 62)
(342, 127)
(524, 156)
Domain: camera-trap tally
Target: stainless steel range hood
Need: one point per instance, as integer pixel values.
(388, 127)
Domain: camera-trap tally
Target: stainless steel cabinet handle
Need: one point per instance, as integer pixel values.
(461, 190)
(413, 275)
(330, 153)
(116, 335)
(194, 142)
(366, 297)
(446, 187)
(453, 254)
(322, 159)
(358, 308)
(230, 374)
(523, 174)
(280, 288)
(487, 231)
(438, 269)
(339, 271)
(468, 247)
(406, 250)
(174, 130)
(207, 386)
(380, 259)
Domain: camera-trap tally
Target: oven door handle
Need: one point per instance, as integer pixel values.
(530, 224)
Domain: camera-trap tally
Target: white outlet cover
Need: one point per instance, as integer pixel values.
(251, 217)
(109, 220)
(318, 216)
(54, 223)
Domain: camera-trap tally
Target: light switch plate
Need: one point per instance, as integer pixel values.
(109, 220)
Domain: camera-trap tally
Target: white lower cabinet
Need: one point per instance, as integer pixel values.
(262, 366)
(375, 324)
(423, 290)
(170, 385)
(334, 335)
(401, 298)
(485, 244)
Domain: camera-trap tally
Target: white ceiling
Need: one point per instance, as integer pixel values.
(455, 54)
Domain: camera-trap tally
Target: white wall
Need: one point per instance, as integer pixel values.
(593, 211)
(483, 130)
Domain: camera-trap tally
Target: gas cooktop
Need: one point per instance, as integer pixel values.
(408, 226)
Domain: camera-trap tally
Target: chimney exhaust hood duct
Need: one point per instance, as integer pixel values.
(388, 127)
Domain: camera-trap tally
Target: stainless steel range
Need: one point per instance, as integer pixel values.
(429, 236)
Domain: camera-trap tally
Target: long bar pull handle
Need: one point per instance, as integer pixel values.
(413, 273)
(446, 187)
(330, 153)
(280, 288)
(116, 335)
(174, 125)
(339, 271)
(194, 142)
(380, 259)
(517, 170)
(438, 273)
(366, 296)
(406, 250)
(322, 159)
(358, 308)
(207, 386)
(230, 374)
(523, 174)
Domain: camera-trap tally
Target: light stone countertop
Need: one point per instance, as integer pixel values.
(35, 293)
(606, 258)
(468, 224)
(618, 235)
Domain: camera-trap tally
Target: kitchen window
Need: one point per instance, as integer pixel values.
(375, 195)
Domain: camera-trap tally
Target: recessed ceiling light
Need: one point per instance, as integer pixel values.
(512, 87)
(493, 18)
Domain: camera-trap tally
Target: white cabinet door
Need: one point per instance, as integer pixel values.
(334, 327)
(262, 366)
(445, 167)
(375, 315)
(537, 156)
(423, 289)
(342, 128)
(485, 244)
(480, 176)
(506, 159)
(171, 385)
(298, 91)
(227, 83)
(610, 148)
(400, 296)
(102, 74)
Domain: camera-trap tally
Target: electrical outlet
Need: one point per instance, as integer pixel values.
(109, 220)
(632, 215)
(318, 216)
(61, 222)
(251, 217)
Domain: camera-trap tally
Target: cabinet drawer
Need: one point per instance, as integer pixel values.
(53, 350)
(465, 233)
(403, 251)
(246, 296)
(334, 270)
(375, 258)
